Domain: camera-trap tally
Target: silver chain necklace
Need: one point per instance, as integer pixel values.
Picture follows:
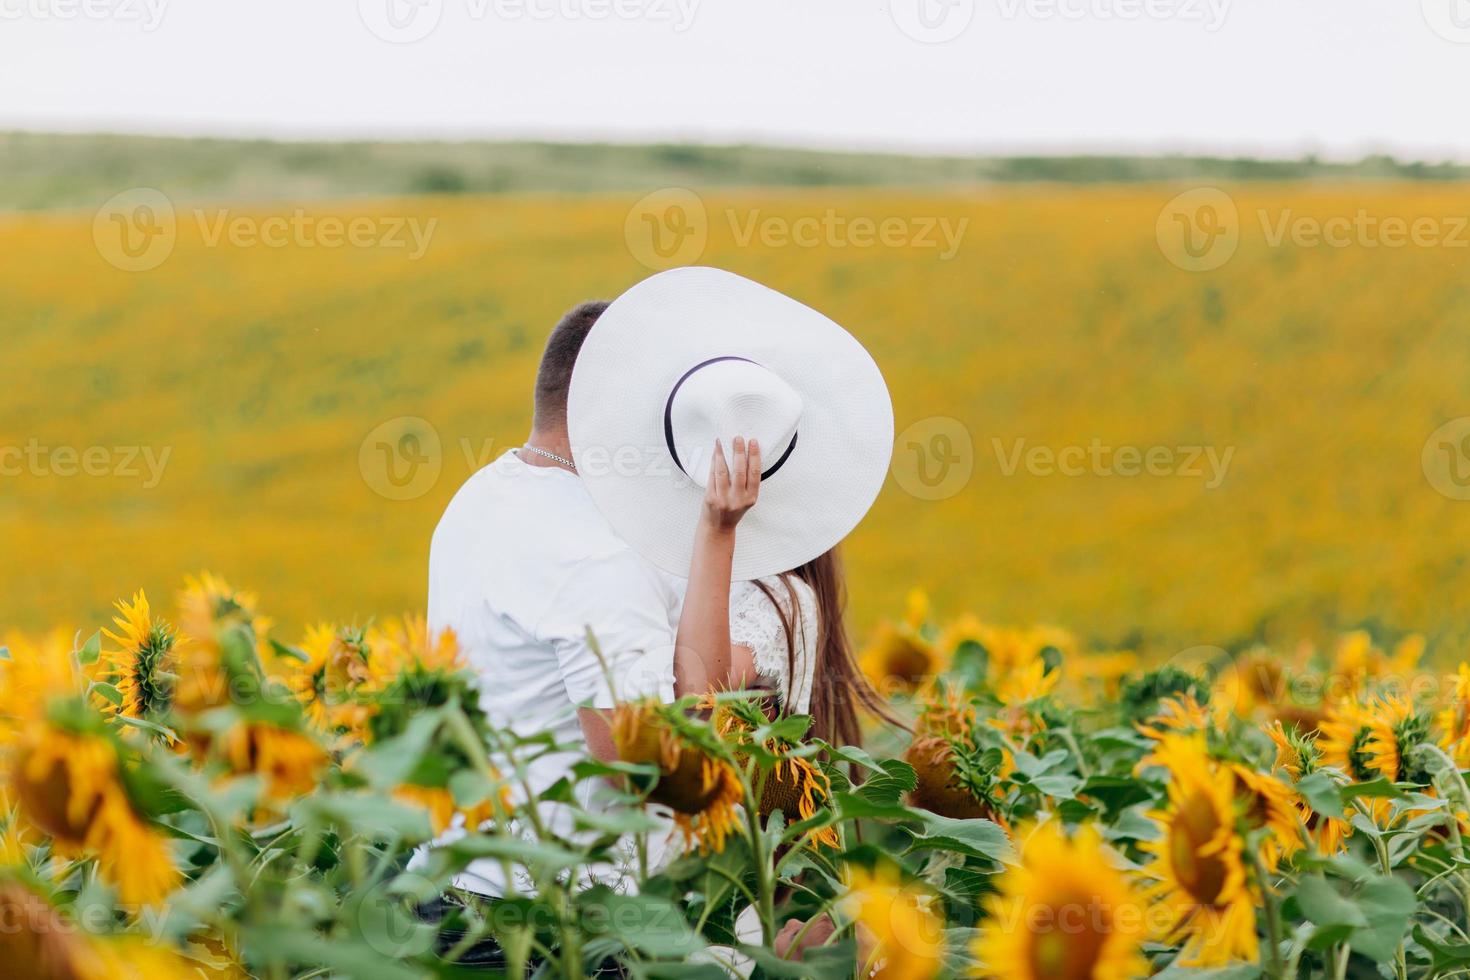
(551, 456)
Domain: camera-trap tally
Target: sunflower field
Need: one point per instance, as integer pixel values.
(195, 795)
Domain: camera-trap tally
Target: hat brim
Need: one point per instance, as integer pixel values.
(637, 351)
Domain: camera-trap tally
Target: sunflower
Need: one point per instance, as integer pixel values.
(964, 629)
(36, 942)
(334, 667)
(407, 644)
(1179, 719)
(954, 775)
(210, 673)
(1297, 756)
(916, 609)
(701, 789)
(66, 776)
(899, 658)
(70, 787)
(798, 787)
(1206, 902)
(290, 762)
(12, 840)
(1026, 683)
(413, 669)
(209, 604)
(1454, 720)
(1105, 670)
(1269, 803)
(1009, 651)
(1063, 913)
(142, 663)
(136, 958)
(908, 933)
(794, 784)
(952, 778)
(1396, 727)
(1343, 739)
(1356, 660)
(1253, 681)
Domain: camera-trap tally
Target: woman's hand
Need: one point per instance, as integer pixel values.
(733, 487)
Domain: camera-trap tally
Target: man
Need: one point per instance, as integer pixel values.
(522, 565)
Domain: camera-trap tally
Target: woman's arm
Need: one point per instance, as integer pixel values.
(702, 656)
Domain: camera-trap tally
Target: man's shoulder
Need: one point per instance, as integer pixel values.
(523, 508)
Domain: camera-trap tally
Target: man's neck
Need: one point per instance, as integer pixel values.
(555, 442)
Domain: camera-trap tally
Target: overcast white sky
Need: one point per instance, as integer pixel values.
(1274, 77)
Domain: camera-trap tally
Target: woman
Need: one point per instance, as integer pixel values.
(694, 359)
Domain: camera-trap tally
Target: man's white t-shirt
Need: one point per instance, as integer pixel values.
(522, 564)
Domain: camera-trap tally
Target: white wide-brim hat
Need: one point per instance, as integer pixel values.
(695, 353)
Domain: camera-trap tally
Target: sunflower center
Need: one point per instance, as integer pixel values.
(47, 804)
(908, 660)
(690, 788)
(1195, 825)
(1067, 937)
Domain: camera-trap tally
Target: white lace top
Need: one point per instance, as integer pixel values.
(755, 623)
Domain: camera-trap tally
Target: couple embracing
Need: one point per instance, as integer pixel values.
(699, 448)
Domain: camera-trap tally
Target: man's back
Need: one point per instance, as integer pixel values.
(521, 565)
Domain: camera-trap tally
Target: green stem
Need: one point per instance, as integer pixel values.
(1452, 786)
(1065, 734)
(765, 884)
(1401, 966)
(1273, 917)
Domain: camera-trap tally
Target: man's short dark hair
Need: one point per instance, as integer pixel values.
(554, 378)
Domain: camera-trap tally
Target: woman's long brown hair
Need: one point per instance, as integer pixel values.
(838, 686)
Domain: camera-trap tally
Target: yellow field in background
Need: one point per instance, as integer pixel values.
(1282, 406)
